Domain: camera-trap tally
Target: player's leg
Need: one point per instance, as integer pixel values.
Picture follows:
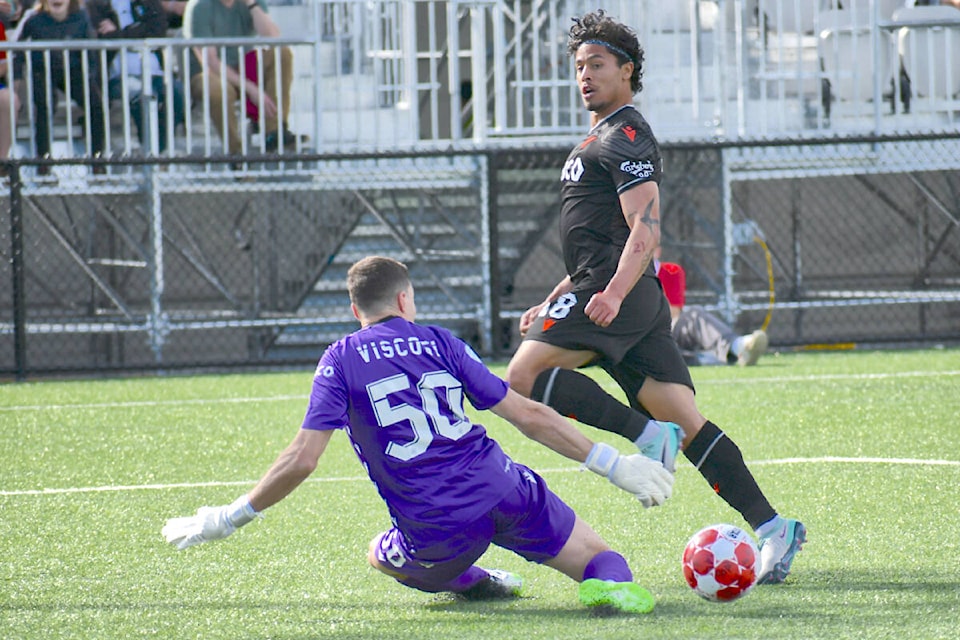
(654, 375)
(540, 527)
(606, 582)
(543, 368)
(450, 567)
(720, 461)
(534, 357)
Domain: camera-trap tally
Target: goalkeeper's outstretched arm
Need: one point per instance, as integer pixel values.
(644, 478)
(292, 467)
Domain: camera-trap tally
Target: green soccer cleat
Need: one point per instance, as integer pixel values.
(605, 597)
(498, 585)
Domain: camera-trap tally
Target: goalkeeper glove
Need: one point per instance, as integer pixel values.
(209, 523)
(646, 479)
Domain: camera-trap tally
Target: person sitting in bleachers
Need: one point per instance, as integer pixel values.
(133, 20)
(61, 21)
(240, 19)
(8, 13)
(174, 10)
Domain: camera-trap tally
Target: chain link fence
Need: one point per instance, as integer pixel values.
(167, 264)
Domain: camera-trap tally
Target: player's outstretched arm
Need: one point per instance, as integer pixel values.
(292, 467)
(636, 474)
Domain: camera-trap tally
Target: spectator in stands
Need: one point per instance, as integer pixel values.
(240, 19)
(62, 20)
(9, 13)
(28, 9)
(133, 20)
(174, 10)
(703, 337)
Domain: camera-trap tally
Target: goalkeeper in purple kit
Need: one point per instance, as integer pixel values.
(397, 388)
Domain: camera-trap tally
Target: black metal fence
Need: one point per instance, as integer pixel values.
(168, 263)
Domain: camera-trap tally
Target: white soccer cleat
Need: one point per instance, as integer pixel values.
(778, 549)
(754, 346)
(498, 585)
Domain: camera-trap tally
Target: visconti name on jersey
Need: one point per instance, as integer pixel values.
(397, 348)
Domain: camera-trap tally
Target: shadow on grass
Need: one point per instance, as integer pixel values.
(812, 604)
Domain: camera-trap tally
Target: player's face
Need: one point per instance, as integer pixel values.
(603, 82)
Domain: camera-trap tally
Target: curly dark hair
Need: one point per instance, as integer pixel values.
(622, 41)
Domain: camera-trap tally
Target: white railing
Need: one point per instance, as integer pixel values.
(81, 121)
(398, 75)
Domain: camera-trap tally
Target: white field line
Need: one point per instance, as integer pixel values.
(249, 483)
(285, 398)
(153, 403)
(303, 397)
(832, 377)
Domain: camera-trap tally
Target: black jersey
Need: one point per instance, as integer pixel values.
(619, 153)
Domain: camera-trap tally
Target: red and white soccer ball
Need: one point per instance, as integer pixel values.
(720, 562)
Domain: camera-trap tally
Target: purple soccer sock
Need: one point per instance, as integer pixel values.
(608, 565)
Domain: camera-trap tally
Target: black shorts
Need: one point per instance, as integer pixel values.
(637, 344)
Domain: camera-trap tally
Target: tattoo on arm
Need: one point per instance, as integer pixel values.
(650, 221)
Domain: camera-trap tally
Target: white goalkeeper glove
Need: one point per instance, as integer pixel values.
(646, 479)
(209, 523)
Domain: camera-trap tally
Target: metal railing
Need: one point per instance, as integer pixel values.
(70, 113)
(426, 75)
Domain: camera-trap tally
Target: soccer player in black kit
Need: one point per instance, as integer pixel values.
(610, 309)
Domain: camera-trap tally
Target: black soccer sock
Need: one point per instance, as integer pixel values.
(577, 396)
(718, 459)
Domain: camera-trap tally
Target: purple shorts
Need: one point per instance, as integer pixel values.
(531, 521)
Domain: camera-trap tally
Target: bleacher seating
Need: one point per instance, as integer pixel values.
(364, 80)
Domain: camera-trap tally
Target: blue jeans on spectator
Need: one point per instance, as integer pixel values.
(134, 92)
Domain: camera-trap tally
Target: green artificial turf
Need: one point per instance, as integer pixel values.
(863, 447)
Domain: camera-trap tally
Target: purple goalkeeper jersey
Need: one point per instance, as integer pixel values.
(397, 387)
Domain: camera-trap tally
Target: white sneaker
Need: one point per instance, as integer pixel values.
(497, 585)
(778, 549)
(754, 346)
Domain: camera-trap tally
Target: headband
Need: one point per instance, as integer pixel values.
(615, 49)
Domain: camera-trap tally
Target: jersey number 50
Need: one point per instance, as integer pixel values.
(453, 425)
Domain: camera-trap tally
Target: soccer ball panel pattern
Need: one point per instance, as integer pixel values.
(720, 563)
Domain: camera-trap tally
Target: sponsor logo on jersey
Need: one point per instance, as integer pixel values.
(630, 132)
(639, 168)
(572, 170)
(323, 370)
